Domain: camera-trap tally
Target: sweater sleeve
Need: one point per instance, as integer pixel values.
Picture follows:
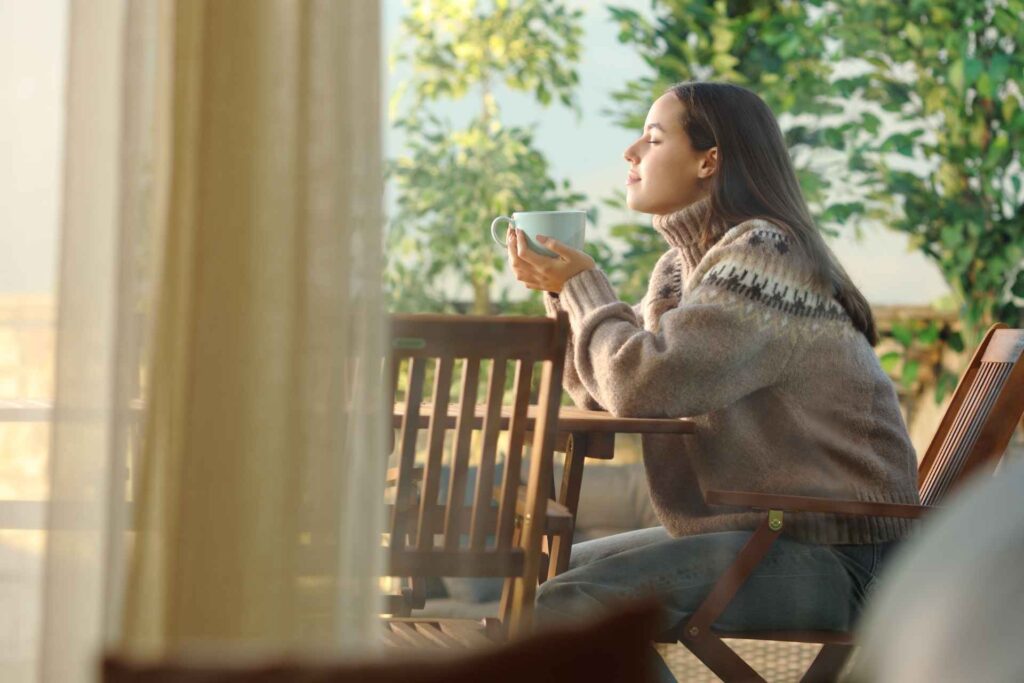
(724, 341)
(570, 378)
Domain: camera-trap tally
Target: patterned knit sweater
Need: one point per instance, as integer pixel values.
(788, 396)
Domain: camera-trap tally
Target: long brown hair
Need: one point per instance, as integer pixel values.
(755, 179)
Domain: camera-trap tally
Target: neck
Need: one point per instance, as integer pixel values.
(690, 229)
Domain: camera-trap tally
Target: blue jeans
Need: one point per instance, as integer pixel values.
(797, 586)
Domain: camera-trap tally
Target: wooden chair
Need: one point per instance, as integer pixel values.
(500, 533)
(972, 436)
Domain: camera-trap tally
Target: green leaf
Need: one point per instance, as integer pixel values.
(870, 122)
(956, 342)
(930, 334)
(952, 236)
(914, 34)
(999, 68)
(901, 332)
(984, 85)
(972, 70)
(945, 385)
(956, 75)
(890, 360)
(909, 374)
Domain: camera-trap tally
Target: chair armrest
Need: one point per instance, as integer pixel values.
(771, 501)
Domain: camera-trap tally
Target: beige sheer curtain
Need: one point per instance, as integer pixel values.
(217, 455)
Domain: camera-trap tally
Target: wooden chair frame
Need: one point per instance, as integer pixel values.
(517, 522)
(982, 416)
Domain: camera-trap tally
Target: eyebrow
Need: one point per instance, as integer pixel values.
(654, 125)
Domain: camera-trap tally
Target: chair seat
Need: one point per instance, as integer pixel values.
(829, 637)
(809, 636)
(434, 634)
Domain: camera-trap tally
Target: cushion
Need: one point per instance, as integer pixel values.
(474, 589)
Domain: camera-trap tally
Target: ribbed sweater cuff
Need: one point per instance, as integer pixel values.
(551, 303)
(584, 292)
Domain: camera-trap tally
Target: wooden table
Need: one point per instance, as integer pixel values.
(582, 434)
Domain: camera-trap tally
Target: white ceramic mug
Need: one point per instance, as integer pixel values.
(568, 227)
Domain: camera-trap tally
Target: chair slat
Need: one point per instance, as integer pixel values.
(435, 452)
(969, 425)
(391, 640)
(955, 441)
(953, 460)
(434, 634)
(466, 635)
(485, 472)
(991, 380)
(410, 635)
(460, 458)
(954, 436)
(950, 417)
(513, 460)
(389, 373)
(405, 495)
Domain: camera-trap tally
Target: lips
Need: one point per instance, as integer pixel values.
(632, 178)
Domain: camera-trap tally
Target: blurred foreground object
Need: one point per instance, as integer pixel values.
(952, 606)
(613, 649)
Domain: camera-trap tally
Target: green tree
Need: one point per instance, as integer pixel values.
(948, 79)
(454, 182)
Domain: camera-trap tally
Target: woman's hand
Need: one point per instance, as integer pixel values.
(540, 272)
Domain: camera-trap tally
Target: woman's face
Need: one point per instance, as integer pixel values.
(666, 173)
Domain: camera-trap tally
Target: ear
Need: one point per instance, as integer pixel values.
(709, 164)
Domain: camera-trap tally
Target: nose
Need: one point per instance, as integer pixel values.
(631, 156)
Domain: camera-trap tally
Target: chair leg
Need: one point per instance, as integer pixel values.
(721, 659)
(828, 664)
(569, 496)
(508, 591)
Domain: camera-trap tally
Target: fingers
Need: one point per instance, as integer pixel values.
(530, 256)
(555, 246)
(531, 269)
(522, 269)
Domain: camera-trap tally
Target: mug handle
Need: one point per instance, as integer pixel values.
(494, 224)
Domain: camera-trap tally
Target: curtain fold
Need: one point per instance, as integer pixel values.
(218, 453)
(84, 470)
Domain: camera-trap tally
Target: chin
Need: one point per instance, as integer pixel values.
(637, 203)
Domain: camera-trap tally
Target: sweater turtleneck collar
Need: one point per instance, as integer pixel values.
(690, 230)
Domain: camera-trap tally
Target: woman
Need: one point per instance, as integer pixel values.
(751, 327)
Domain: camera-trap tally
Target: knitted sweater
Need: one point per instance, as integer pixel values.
(787, 395)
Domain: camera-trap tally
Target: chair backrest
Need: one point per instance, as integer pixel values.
(432, 535)
(981, 418)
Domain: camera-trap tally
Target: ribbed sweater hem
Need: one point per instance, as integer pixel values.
(807, 527)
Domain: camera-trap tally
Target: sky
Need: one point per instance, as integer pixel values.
(588, 152)
(32, 55)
